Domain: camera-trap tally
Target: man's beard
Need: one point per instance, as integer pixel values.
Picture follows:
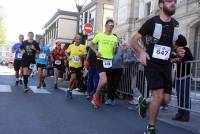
(168, 11)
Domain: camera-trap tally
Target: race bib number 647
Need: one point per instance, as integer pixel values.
(161, 52)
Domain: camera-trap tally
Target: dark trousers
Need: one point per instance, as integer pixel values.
(113, 82)
(93, 79)
(183, 95)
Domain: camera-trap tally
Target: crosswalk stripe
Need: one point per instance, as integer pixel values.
(75, 92)
(5, 88)
(41, 90)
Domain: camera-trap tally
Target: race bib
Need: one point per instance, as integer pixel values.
(161, 52)
(42, 56)
(31, 66)
(58, 62)
(19, 56)
(107, 63)
(76, 59)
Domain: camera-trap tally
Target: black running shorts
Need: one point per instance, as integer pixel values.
(159, 77)
(17, 64)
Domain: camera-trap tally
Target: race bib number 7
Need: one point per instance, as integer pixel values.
(107, 63)
(161, 52)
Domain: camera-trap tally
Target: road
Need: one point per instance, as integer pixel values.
(47, 112)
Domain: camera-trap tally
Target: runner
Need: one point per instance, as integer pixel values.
(42, 62)
(76, 53)
(28, 49)
(18, 60)
(58, 54)
(93, 75)
(106, 48)
(162, 32)
(117, 71)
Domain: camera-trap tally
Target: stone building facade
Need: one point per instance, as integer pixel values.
(61, 27)
(129, 15)
(97, 12)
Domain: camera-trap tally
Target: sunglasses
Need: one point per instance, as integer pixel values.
(109, 24)
(169, 1)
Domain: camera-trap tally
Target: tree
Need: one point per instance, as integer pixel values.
(2, 33)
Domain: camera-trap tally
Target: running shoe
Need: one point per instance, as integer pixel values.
(43, 84)
(142, 107)
(20, 82)
(69, 94)
(150, 130)
(96, 101)
(109, 102)
(16, 83)
(55, 86)
(39, 85)
(26, 89)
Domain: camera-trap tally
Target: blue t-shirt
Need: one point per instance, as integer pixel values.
(16, 50)
(43, 55)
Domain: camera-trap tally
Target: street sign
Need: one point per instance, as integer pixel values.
(88, 28)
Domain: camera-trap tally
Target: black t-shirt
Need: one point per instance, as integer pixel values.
(161, 33)
(29, 52)
(185, 68)
(91, 57)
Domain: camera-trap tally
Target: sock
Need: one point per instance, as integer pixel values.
(151, 126)
(17, 77)
(26, 80)
(69, 89)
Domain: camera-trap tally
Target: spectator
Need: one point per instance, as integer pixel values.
(183, 81)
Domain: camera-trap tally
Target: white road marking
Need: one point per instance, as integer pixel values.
(40, 90)
(75, 92)
(5, 88)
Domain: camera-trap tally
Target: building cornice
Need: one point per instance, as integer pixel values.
(58, 13)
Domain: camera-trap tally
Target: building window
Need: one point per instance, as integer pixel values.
(85, 17)
(148, 9)
(198, 3)
(92, 21)
(122, 14)
(7, 54)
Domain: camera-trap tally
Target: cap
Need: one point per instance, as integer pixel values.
(181, 41)
(58, 43)
(160, 1)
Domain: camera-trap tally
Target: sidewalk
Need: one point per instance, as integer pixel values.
(193, 125)
(167, 115)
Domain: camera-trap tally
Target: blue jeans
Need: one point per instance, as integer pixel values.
(93, 79)
(183, 95)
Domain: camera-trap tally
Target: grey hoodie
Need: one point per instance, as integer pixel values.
(123, 56)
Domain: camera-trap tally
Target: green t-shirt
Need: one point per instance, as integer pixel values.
(106, 44)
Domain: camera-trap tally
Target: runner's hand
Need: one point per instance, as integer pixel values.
(58, 57)
(98, 54)
(144, 57)
(180, 51)
(22, 52)
(33, 47)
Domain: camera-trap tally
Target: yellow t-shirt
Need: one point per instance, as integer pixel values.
(106, 45)
(76, 53)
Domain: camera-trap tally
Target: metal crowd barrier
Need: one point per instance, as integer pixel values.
(133, 80)
(186, 89)
(185, 92)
